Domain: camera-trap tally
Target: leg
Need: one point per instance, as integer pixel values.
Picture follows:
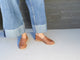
(38, 19)
(37, 14)
(13, 24)
(12, 19)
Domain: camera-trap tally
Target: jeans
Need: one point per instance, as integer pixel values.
(13, 24)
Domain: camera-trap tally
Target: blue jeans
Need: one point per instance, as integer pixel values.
(13, 24)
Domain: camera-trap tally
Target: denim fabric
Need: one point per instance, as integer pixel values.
(13, 23)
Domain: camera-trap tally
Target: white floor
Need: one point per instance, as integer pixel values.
(67, 47)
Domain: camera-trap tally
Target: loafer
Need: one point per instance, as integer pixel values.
(22, 43)
(45, 39)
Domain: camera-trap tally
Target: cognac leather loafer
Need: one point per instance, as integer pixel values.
(22, 43)
(46, 40)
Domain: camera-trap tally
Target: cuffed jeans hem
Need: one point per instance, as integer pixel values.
(39, 29)
(14, 33)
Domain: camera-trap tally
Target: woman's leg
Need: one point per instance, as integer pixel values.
(37, 14)
(13, 24)
(38, 20)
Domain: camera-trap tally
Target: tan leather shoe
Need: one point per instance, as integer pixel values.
(46, 40)
(22, 43)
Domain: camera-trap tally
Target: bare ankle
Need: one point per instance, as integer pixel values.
(24, 35)
(40, 34)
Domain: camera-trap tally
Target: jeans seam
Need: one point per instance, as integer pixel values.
(33, 11)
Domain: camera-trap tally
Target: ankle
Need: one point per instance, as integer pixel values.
(40, 35)
(24, 35)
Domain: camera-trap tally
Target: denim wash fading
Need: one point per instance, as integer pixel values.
(13, 24)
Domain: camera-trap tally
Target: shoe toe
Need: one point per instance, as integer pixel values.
(22, 47)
